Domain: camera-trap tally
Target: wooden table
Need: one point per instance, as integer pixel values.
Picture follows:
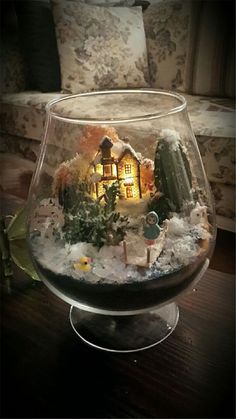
(48, 372)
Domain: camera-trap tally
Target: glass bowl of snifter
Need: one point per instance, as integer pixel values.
(121, 218)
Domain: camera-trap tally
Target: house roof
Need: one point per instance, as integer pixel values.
(106, 142)
(130, 151)
(118, 149)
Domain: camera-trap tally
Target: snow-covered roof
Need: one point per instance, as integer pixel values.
(172, 137)
(120, 148)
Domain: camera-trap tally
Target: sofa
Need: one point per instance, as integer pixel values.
(183, 40)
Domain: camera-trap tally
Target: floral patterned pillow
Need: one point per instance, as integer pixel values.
(167, 30)
(100, 47)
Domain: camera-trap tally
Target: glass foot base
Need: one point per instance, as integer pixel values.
(125, 333)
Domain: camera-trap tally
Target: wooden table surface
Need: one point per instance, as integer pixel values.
(47, 372)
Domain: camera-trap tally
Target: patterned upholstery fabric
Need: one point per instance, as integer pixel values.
(191, 46)
(224, 197)
(23, 114)
(100, 47)
(167, 28)
(213, 122)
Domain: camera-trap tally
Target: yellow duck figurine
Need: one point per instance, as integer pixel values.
(83, 264)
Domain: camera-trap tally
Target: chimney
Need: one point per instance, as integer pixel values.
(105, 147)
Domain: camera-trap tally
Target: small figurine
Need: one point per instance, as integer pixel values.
(83, 264)
(198, 215)
(151, 229)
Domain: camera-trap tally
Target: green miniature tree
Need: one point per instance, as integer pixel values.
(172, 177)
(93, 221)
(71, 196)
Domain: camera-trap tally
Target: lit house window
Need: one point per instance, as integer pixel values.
(127, 169)
(129, 192)
(107, 170)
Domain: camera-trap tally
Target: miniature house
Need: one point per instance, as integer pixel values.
(124, 168)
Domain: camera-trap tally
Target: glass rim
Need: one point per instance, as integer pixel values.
(155, 115)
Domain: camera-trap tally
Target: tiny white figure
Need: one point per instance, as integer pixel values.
(198, 215)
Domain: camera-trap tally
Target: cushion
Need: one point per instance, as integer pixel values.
(167, 30)
(39, 45)
(100, 47)
(23, 114)
(191, 46)
(224, 197)
(213, 122)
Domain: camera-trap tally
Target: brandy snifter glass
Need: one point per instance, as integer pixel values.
(121, 219)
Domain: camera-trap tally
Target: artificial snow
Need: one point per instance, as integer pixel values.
(119, 147)
(177, 226)
(176, 247)
(137, 250)
(172, 137)
(181, 245)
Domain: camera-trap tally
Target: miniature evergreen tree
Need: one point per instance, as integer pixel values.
(111, 193)
(71, 196)
(172, 176)
(91, 221)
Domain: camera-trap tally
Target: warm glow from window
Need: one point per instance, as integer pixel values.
(107, 170)
(114, 170)
(129, 192)
(127, 168)
(99, 169)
